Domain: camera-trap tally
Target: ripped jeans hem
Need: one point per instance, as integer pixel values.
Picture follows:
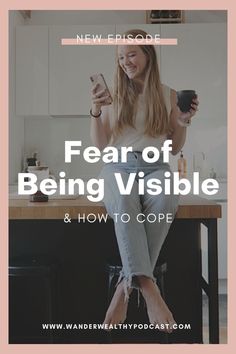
(130, 283)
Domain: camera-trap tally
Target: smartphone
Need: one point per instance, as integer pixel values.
(99, 79)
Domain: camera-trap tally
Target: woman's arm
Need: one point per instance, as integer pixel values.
(100, 131)
(177, 132)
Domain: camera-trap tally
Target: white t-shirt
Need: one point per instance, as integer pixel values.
(136, 137)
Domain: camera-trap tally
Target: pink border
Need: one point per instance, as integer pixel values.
(122, 5)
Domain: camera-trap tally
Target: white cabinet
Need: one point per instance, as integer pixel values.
(71, 66)
(52, 79)
(31, 70)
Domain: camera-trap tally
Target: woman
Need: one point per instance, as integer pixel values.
(144, 113)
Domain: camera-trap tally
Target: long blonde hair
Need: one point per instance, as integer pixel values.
(126, 95)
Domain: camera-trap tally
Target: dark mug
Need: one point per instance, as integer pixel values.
(185, 98)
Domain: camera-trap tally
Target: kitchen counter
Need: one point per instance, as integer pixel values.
(190, 207)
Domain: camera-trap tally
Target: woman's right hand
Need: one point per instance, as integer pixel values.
(99, 99)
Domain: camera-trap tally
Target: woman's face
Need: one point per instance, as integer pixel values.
(133, 61)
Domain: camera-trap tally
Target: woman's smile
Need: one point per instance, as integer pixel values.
(130, 69)
(132, 60)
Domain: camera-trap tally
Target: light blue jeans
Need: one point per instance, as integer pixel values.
(139, 242)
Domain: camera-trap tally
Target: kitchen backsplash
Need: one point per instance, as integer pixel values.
(47, 137)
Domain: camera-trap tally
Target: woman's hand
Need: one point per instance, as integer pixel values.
(99, 99)
(184, 119)
(178, 122)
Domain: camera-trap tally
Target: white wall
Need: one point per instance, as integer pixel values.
(205, 16)
(16, 124)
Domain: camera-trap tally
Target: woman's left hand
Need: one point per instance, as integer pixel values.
(185, 117)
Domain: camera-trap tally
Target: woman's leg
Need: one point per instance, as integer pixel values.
(156, 233)
(131, 236)
(132, 243)
(134, 250)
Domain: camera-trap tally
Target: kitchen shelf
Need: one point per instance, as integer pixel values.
(165, 19)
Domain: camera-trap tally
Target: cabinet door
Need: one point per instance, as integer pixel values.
(198, 62)
(31, 70)
(72, 65)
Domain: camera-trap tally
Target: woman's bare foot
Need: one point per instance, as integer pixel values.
(117, 310)
(157, 310)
